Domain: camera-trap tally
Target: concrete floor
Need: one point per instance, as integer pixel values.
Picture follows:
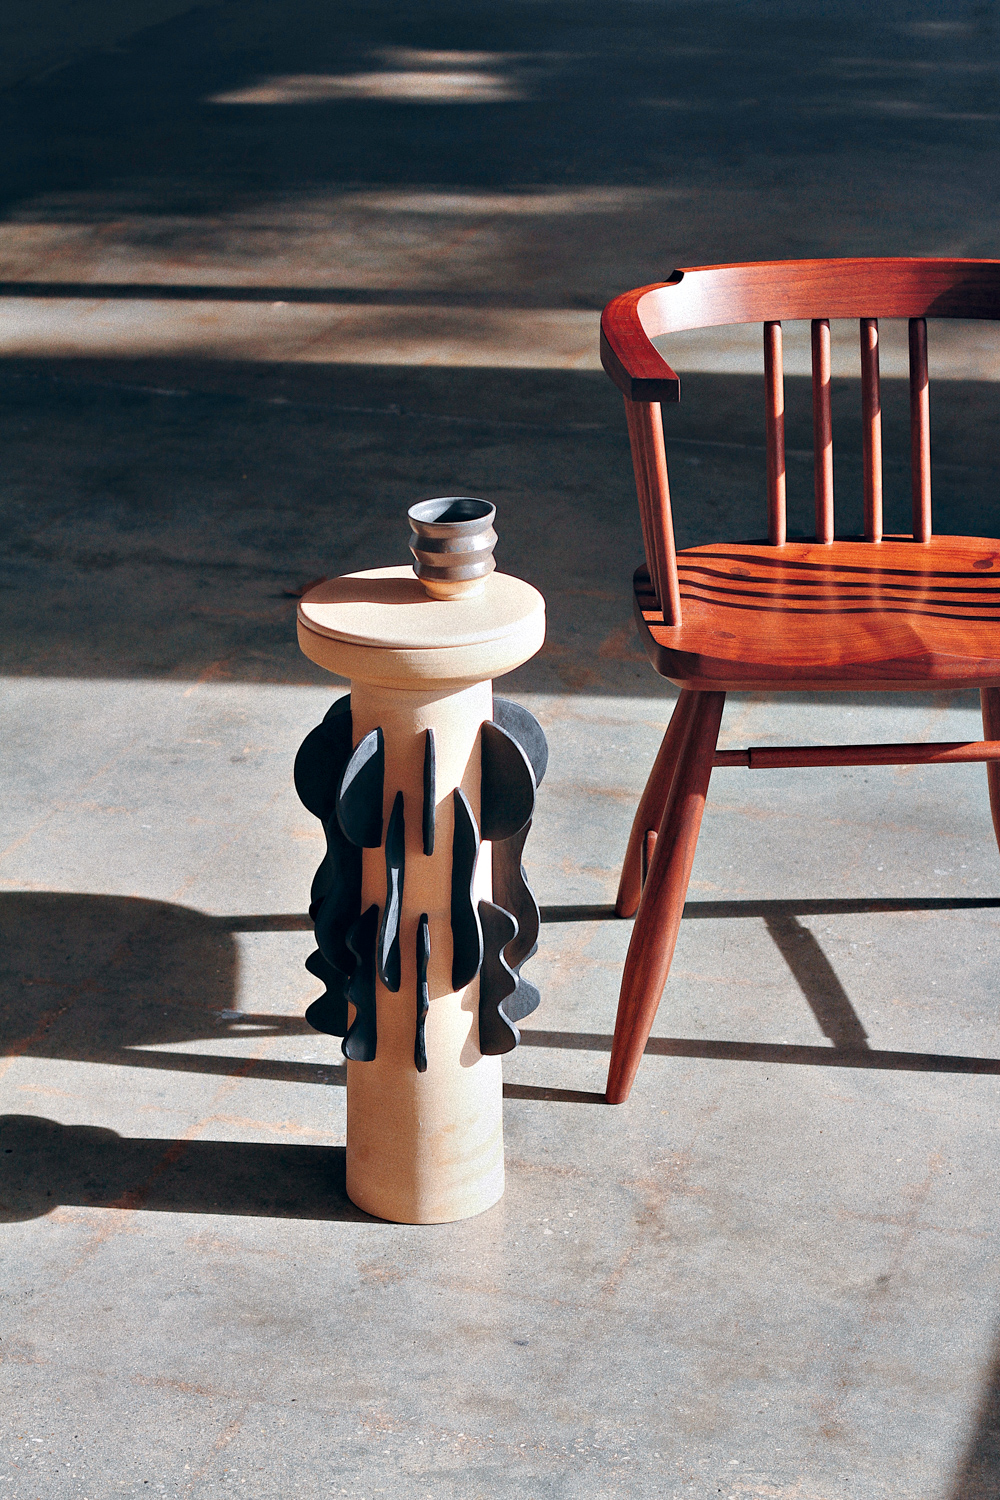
(773, 1273)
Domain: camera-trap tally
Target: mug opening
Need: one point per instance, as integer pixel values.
(452, 508)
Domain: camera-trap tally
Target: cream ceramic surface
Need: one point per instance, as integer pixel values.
(380, 626)
(423, 1148)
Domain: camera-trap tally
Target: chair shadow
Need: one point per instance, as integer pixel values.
(112, 979)
(815, 976)
(711, 1050)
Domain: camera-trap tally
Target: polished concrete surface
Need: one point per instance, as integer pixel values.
(772, 1273)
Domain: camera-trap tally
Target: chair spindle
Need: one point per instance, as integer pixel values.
(652, 460)
(651, 423)
(642, 491)
(871, 433)
(774, 398)
(920, 431)
(822, 429)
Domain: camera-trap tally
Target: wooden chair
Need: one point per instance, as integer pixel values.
(896, 613)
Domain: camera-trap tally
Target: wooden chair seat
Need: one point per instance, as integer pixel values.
(896, 613)
(839, 615)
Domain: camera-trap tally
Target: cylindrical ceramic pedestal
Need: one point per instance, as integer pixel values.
(423, 1146)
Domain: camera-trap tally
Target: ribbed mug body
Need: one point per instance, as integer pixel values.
(452, 541)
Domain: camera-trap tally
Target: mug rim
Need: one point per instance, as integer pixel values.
(429, 512)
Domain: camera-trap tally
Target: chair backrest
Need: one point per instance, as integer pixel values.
(767, 292)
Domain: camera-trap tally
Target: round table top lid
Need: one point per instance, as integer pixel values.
(387, 607)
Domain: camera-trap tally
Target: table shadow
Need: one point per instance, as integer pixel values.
(46, 1165)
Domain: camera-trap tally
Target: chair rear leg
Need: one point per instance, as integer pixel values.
(654, 936)
(990, 699)
(650, 810)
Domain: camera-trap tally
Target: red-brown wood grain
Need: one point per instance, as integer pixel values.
(648, 428)
(708, 296)
(639, 372)
(658, 921)
(841, 616)
(822, 429)
(920, 431)
(871, 429)
(925, 753)
(887, 613)
(641, 472)
(650, 810)
(774, 433)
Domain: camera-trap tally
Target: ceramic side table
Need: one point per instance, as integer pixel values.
(425, 786)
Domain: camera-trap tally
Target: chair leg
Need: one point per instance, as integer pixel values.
(990, 699)
(650, 810)
(654, 936)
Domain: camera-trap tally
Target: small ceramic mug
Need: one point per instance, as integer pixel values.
(452, 542)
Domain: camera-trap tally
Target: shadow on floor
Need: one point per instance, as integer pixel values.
(111, 979)
(815, 976)
(99, 978)
(772, 1052)
(46, 1165)
(978, 1476)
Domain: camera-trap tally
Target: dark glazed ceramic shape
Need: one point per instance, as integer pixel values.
(452, 542)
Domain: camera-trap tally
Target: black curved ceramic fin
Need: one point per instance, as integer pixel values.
(362, 1034)
(395, 859)
(466, 933)
(423, 993)
(335, 899)
(430, 798)
(522, 726)
(359, 801)
(512, 891)
(508, 790)
(510, 884)
(329, 1012)
(321, 758)
(497, 1033)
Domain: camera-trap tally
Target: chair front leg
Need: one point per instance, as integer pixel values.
(990, 700)
(654, 936)
(654, 799)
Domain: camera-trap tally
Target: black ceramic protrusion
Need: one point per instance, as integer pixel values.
(497, 1032)
(508, 786)
(466, 933)
(359, 802)
(336, 889)
(521, 724)
(336, 897)
(395, 858)
(362, 1036)
(510, 883)
(423, 993)
(430, 795)
(512, 891)
(329, 1012)
(321, 758)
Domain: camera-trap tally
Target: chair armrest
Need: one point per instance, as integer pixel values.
(636, 367)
